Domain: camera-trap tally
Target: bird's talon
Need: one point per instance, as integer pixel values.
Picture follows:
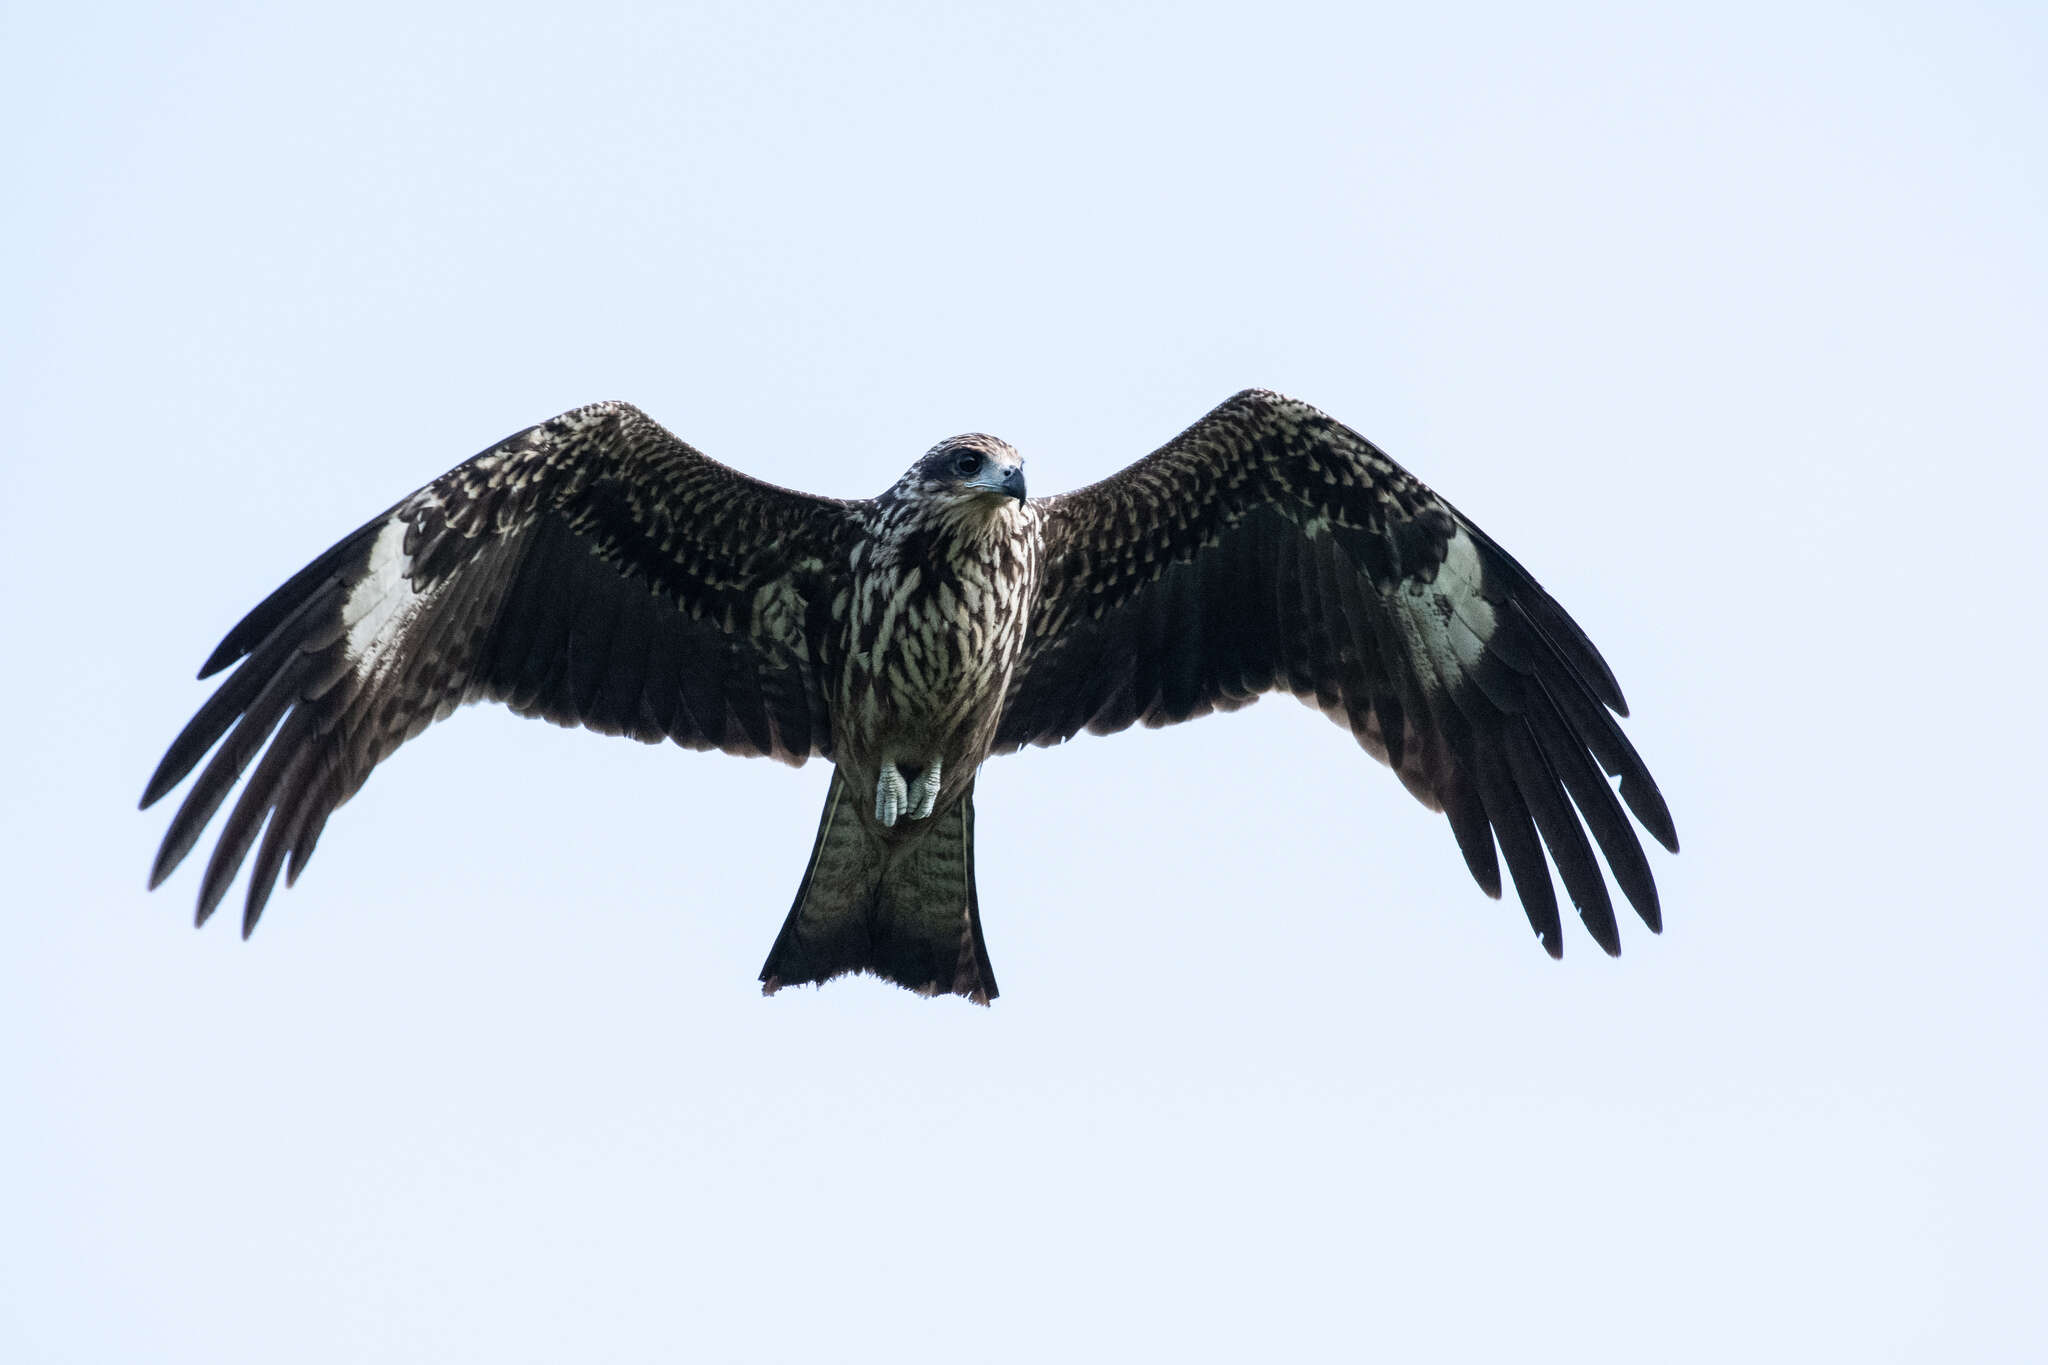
(927, 793)
(891, 796)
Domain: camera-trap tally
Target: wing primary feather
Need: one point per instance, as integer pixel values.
(1467, 816)
(288, 810)
(1551, 622)
(330, 666)
(303, 846)
(1647, 802)
(306, 795)
(351, 553)
(323, 794)
(257, 721)
(343, 767)
(1500, 685)
(1596, 729)
(246, 820)
(1516, 643)
(1598, 807)
(238, 695)
(1518, 845)
(1564, 836)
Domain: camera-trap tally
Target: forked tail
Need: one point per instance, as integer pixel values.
(907, 914)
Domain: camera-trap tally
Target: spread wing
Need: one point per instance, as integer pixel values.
(1269, 548)
(592, 570)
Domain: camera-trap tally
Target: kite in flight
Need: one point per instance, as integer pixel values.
(596, 571)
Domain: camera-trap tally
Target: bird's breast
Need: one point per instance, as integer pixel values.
(932, 647)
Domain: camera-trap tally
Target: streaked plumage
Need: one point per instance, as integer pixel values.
(596, 571)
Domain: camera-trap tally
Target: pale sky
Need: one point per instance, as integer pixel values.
(1729, 322)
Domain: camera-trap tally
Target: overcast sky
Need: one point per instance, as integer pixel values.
(1730, 322)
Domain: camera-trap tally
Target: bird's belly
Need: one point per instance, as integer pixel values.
(929, 686)
(916, 699)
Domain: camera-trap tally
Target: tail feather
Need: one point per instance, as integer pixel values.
(908, 914)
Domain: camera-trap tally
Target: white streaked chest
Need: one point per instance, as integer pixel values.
(933, 639)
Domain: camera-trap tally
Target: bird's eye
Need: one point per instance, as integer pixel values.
(967, 463)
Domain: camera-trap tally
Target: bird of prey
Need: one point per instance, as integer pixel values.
(594, 570)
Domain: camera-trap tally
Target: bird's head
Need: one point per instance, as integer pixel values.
(970, 470)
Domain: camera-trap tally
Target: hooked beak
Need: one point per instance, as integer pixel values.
(1009, 483)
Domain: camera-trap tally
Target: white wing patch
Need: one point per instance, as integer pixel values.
(382, 603)
(1447, 621)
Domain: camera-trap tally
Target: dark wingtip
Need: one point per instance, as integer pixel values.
(1598, 917)
(213, 888)
(166, 776)
(1648, 804)
(260, 886)
(1642, 896)
(224, 654)
(171, 852)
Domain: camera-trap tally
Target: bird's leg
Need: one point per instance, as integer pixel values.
(927, 792)
(892, 797)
